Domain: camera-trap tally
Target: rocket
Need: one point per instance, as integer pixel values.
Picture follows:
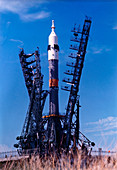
(53, 50)
(54, 125)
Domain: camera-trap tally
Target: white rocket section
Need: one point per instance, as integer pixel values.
(53, 40)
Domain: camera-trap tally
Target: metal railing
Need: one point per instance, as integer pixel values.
(18, 154)
(8, 154)
(100, 152)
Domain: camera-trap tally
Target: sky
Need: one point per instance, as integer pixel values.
(27, 24)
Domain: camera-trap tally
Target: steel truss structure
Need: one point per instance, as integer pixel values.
(71, 124)
(34, 81)
(54, 132)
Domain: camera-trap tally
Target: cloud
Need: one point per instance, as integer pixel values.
(115, 27)
(8, 23)
(2, 39)
(19, 41)
(99, 50)
(5, 148)
(23, 8)
(35, 16)
(106, 126)
(16, 40)
(107, 133)
(102, 121)
(115, 147)
(107, 49)
(4, 33)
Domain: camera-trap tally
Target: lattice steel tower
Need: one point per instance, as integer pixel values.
(54, 131)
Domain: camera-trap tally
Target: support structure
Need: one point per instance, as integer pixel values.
(80, 40)
(32, 130)
(54, 131)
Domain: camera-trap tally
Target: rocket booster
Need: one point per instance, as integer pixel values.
(53, 50)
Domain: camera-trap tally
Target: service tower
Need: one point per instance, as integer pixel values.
(54, 122)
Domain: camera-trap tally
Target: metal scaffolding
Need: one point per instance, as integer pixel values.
(54, 132)
(71, 123)
(31, 132)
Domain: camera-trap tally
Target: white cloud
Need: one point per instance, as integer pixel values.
(106, 126)
(23, 7)
(107, 49)
(102, 121)
(5, 148)
(115, 147)
(115, 27)
(35, 16)
(16, 40)
(8, 23)
(2, 39)
(19, 41)
(95, 50)
(99, 50)
(107, 133)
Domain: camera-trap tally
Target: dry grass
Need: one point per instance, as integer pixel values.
(65, 162)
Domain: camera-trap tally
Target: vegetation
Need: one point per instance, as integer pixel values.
(65, 162)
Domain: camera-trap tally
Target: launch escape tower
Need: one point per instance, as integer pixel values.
(54, 131)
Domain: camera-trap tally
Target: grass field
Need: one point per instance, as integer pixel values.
(65, 162)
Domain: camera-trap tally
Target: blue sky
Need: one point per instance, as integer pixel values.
(28, 25)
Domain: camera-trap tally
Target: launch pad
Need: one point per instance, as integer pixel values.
(54, 132)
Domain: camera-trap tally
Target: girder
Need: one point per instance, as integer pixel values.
(53, 130)
(34, 81)
(80, 38)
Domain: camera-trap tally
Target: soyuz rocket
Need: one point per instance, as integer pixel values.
(53, 50)
(54, 124)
